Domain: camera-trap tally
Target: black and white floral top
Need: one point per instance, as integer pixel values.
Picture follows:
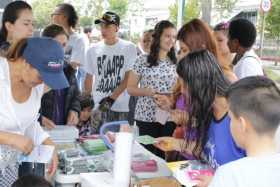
(160, 78)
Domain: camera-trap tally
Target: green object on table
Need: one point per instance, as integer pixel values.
(146, 139)
(94, 147)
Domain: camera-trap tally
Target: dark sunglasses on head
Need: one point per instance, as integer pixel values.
(109, 17)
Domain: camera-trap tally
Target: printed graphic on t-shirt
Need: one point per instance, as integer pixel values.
(109, 69)
(209, 151)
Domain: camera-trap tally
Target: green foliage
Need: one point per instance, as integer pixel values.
(191, 10)
(86, 21)
(93, 8)
(42, 11)
(272, 20)
(119, 6)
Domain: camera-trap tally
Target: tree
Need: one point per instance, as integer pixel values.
(93, 8)
(272, 19)
(135, 10)
(224, 7)
(86, 21)
(191, 10)
(206, 9)
(89, 10)
(42, 11)
(118, 6)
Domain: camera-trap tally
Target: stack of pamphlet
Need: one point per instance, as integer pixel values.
(64, 134)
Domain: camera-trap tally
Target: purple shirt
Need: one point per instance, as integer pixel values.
(59, 107)
(181, 103)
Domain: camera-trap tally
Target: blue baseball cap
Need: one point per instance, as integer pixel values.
(47, 56)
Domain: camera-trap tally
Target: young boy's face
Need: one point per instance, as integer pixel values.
(237, 129)
(85, 114)
(232, 45)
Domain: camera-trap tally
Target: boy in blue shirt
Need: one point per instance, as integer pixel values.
(254, 111)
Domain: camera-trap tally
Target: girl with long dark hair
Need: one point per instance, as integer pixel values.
(208, 137)
(192, 36)
(17, 23)
(156, 74)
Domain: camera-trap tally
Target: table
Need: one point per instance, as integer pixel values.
(63, 180)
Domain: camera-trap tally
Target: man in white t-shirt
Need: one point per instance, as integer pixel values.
(75, 50)
(254, 109)
(242, 35)
(109, 61)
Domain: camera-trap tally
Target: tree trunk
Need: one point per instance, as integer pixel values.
(277, 50)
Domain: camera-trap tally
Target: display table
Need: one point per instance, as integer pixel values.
(159, 182)
(105, 180)
(63, 180)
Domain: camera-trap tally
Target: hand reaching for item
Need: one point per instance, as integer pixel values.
(49, 124)
(72, 118)
(22, 143)
(168, 144)
(53, 166)
(163, 101)
(105, 104)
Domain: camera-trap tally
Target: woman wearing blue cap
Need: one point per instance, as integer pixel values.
(29, 63)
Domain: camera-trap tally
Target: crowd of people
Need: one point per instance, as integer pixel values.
(207, 100)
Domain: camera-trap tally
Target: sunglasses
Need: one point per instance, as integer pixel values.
(109, 17)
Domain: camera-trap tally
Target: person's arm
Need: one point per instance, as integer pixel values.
(49, 124)
(75, 102)
(39, 136)
(169, 144)
(16, 141)
(74, 112)
(78, 53)
(134, 90)
(75, 107)
(164, 102)
(90, 69)
(174, 144)
(54, 163)
(128, 67)
(88, 83)
(123, 85)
